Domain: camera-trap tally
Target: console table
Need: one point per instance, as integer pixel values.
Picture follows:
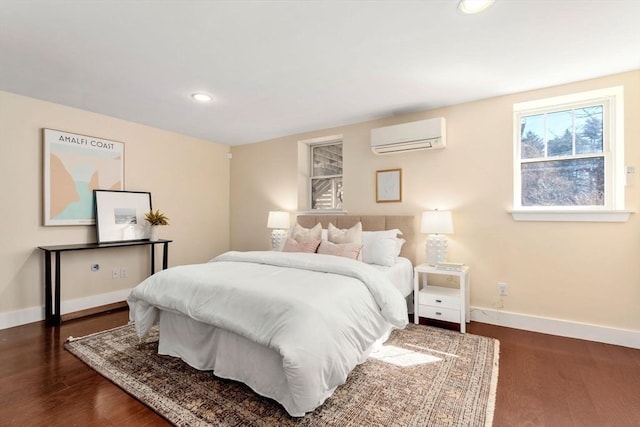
(52, 296)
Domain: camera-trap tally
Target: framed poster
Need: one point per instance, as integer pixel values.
(120, 215)
(74, 166)
(389, 185)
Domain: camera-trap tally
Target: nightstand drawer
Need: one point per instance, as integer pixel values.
(439, 300)
(440, 313)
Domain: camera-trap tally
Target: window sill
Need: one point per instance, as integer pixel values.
(571, 216)
(323, 212)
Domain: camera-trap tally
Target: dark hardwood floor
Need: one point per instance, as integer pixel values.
(544, 380)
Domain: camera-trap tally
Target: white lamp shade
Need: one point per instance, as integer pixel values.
(278, 220)
(436, 222)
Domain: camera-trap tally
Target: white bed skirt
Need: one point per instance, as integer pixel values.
(233, 357)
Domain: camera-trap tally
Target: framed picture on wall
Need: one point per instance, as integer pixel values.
(74, 166)
(120, 215)
(389, 185)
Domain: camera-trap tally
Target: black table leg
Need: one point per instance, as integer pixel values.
(47, 289)
(165, 255)
(56, 313)
(153, 258)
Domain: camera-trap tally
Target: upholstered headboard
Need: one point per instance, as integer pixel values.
(406, 224)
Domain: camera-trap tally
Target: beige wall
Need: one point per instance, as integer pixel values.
(188, 179)
(583, 272)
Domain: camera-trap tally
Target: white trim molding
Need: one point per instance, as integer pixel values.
(36, 314)
(571, 215)
(322, 212)
(615, 174)
(563, 328)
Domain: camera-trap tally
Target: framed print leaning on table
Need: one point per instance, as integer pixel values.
(120, 215)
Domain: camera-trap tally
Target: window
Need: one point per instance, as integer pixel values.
(568, 153)
(326, 175)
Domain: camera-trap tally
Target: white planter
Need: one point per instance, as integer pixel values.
(153, 233)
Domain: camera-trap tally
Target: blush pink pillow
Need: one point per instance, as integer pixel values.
(292, 245)
(347, 250)
(351, 235)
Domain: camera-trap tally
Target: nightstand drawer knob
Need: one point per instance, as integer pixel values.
(438, 300)
(438, 313)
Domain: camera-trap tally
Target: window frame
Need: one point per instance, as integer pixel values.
(613, 208)
(323, 142)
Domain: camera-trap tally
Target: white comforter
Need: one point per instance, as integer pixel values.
(320, 312)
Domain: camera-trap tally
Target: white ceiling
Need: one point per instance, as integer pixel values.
(278, 68)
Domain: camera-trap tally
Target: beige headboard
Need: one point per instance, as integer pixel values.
(406, 224)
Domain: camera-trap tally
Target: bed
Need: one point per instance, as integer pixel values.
(293, 348)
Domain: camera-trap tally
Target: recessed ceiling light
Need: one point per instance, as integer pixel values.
(201, 97)
(474, 6)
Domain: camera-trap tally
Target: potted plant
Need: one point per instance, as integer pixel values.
(155, 219)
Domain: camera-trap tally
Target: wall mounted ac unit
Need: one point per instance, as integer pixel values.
(412, 136)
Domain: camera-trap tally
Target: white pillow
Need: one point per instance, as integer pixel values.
(302, 234)
(381, 247)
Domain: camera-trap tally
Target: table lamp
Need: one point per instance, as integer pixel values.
(279, 222)
(436, 223)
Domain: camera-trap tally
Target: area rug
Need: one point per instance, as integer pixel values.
(423, 376)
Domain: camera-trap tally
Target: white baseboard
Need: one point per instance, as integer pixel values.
(36, 314)
(21, 317)
(563, 328)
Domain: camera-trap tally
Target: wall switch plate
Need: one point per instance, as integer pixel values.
(115, 273)
(123, 272)
(502, 289)
(631, 175)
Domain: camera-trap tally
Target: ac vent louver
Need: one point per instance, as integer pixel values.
(420, 135)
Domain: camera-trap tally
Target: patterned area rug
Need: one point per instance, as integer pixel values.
(423, 376)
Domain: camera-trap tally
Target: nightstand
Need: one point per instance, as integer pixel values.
(438, 302)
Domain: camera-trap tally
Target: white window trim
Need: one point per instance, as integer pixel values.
(615, 210)
(323, 212)
(308, 143)
(571, 216)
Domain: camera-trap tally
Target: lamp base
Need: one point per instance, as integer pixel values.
(277, 239)
(436, 247)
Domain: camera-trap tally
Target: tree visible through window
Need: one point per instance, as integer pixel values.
(562, 159)
(565, 153)
(326, 176)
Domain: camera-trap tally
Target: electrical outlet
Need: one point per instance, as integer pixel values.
(502, 289)
(115, 273)
(123, 272)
